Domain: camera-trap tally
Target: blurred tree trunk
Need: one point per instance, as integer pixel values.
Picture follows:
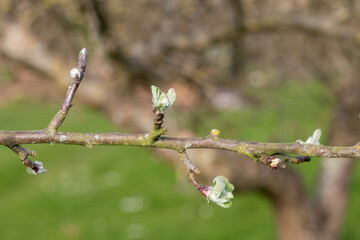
(336, 173)
(237, 44)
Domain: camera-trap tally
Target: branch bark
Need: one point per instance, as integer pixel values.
(250, 149)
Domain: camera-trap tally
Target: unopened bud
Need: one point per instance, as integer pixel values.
(215, 133)
(275, 163)
(75, 73)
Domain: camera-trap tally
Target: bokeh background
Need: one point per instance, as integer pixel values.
(257, 70)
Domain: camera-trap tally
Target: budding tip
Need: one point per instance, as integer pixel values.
(83, 54)
(83, 51)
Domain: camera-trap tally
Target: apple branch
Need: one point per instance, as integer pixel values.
(270, 154)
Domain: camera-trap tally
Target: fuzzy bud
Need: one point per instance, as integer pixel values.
(75, 73)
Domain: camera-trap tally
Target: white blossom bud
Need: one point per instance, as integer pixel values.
(220, 192)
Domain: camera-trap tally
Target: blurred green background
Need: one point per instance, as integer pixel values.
(126, 193)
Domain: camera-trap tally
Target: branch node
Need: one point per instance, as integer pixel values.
(154, 134)
(190, 170)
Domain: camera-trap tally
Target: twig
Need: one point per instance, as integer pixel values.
(191, 170)
(157, 129)
(188, 164)
(77, 75)
(161, 102)
(23, 154)
(292, 159)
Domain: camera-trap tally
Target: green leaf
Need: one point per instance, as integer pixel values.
(229, 187)
(171, 96)
(221, 178)
(217, 189)
(228, 195)
(156, 92)
(164, 101)
(227, 204)
(214, 183)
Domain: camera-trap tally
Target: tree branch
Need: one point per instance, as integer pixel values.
(250, 149)
(23, 154)
(269, 154)
(311, 25)
(76, 75)
(190, 170)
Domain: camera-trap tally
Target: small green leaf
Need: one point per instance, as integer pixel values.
(171, 96)
(217, 189)
(227, 204)
(229, 187)
(228, 195)
(221, 178)
(164, 101)
(156, 92)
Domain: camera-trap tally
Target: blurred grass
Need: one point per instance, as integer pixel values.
(125, 193)
(108, 192)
